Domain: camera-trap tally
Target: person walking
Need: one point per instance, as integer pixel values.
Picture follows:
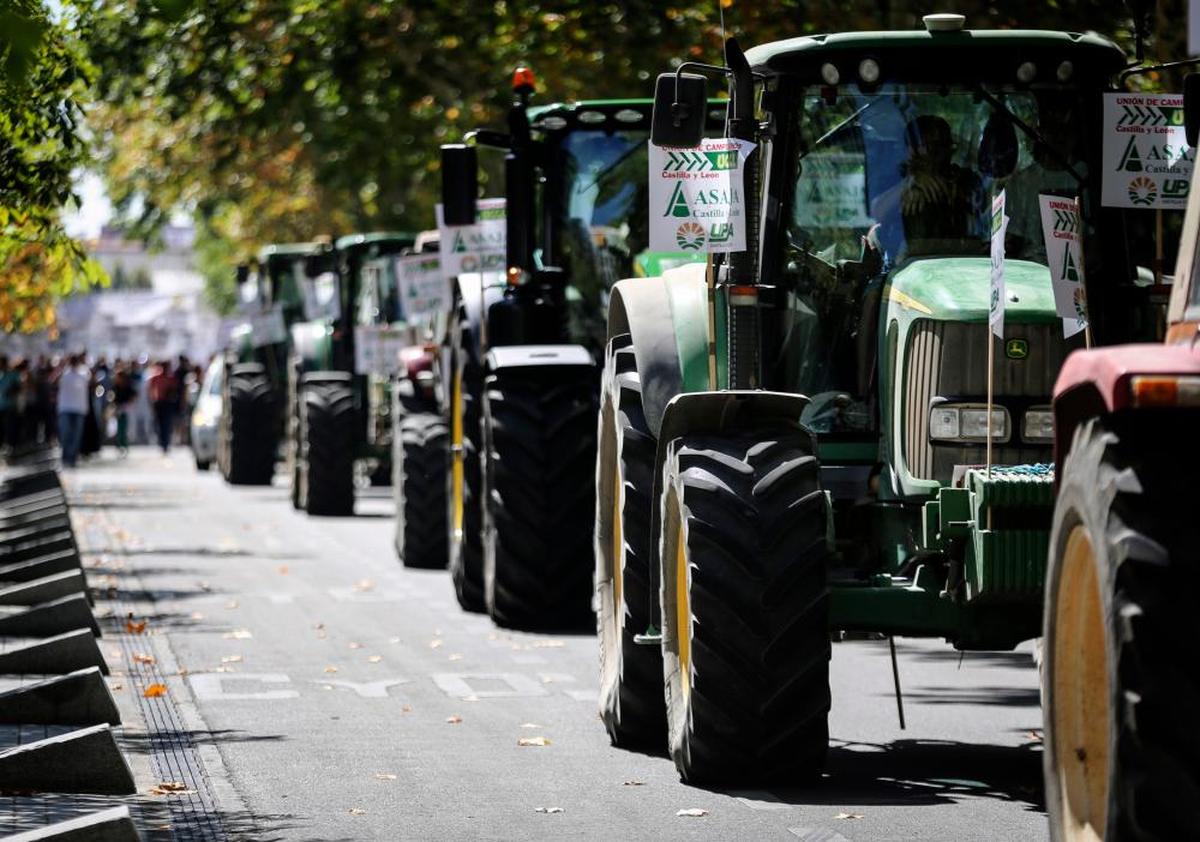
(164, 399)
(123, 396)
(73, 402)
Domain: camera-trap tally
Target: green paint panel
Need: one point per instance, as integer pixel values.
(957, 288)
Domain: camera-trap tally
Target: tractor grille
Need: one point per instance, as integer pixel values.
(950, 359)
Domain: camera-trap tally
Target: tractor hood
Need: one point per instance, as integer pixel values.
(957, 289)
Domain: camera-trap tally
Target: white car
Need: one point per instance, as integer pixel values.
(207, 415)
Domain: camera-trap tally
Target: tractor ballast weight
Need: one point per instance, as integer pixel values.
(750, 524)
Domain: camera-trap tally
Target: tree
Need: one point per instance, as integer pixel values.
(42, 80)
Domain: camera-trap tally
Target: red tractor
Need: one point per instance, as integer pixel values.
(1122, 605)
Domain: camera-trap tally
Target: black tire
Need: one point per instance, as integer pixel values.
(1125, 531)
(203, 464)
(248, 426)
(419, 459)
(540, 478)
(752, 517)
(631, 675)
(327, 444)
(295, 480)
(465, 539)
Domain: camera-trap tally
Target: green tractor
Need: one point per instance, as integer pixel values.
(338, 416)
(252, 417)
(793, 443)
(525, 340)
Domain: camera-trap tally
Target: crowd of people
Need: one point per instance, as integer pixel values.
(85, 404)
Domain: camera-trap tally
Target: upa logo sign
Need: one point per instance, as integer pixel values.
(1147, 162)
(467, 249)
(696, 201)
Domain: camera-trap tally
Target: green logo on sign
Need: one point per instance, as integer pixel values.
(690, 236)
(1016, 349)
(1070, 272)
(1131, 158)
(677, 205)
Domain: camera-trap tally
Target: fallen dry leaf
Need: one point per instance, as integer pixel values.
(355, 645)
(530, 725)
(364, 585)
(634, 783)
(547, 809)
(548, 644)
(233, 603)
(848, 816)
(181, 671)
(454, 719)
(470, 698)
(356, 811)
(384, 776)
(238, 634)
(456, 657)
(1036, 736)
(155, 690)
(135, 628)
(231, 659)
(435, 643)
(196, 615)
(319, 626)
(142, 658)
(693, 811)
(331, 669)
(283, 570)
(374, 659)
(406, 708)
(170, 788)
(533, 741)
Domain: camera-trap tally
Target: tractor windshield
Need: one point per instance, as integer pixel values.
(913, 169)
(604, 204)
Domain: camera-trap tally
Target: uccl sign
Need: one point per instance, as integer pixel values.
(696, 201)
(1147, 162)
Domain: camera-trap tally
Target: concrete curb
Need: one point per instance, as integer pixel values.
(62, 653)
(46, 588)
(77, 698)
(86, 760)
(44, 544)
(36, 568)
(112, 825)
(46, 618)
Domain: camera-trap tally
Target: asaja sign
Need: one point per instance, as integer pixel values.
(696, 201)
(1147, 162)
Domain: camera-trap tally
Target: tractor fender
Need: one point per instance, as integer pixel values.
(1098, 382)
(537, 356)
(311, 345)
(473, 292)
(714, 412)
(667, 319)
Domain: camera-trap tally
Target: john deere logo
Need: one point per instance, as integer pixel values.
(1142, 191)
(1016, 349)
(690, 236)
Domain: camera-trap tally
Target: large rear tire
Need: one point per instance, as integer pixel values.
(248, 426)
(631, 675)
(327, 444)
(540, 480)
(419, 478)
(1122, 628)
(464, 473)
(745, 596)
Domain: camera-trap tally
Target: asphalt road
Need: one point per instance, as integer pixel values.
(331, 694)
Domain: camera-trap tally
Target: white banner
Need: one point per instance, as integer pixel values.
(320, 294)
(696, 201)
(466, 249)
(1147, 162)
(1062, 229)
(377, 349)
(424, 290)
(268, 327)
(996, 305)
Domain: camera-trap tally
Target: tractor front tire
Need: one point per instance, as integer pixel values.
(327, 426)
(631, 675)
(745, 603)
(1122, 629)
(540, 431)
(249, 422)
(419, 477)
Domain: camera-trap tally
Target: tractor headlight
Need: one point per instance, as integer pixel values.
(967, 422)
(1038, 425)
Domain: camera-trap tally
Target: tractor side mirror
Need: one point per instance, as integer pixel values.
(460, 183)
(679, 110)
(1191, 107)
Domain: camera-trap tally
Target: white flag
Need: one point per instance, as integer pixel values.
(1063, 231)
(996, 302)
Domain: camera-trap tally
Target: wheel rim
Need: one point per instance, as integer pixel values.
(1081, 715)
(683, 610)
(456, 456)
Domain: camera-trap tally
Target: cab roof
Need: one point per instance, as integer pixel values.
(383, 239)
(977, 53)
(288, 251)
(624, 113)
